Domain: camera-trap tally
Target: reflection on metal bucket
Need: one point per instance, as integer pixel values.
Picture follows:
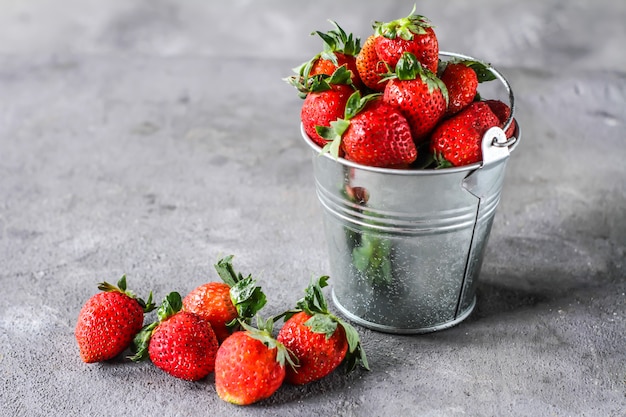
(406, 246)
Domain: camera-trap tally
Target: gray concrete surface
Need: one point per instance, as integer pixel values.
(151, 137)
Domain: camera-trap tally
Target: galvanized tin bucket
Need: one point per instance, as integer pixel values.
(406, 246)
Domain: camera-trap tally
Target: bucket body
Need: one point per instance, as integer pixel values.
(406, 246)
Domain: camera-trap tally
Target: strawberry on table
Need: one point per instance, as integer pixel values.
(180, 343)
(418, 94)
(457, 141)
(319, 340)
(413, 34)
(370, 133)
(108, 321)
(250, 365)
(325, 99)
(222, 303)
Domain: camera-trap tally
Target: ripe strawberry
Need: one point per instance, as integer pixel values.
(339, 49)
(457, 141)
(324, 99)
(108, 321)
(319, 340)
(221, 303)
(370, 67)
(503, 112)
(180, 343)
(462, 84)
(418, 94)
(413, 34)
(250, 365)
(461, 78)
(371, 133)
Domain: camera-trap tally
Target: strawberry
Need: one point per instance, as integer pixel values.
(370, 67)
(339, 49)
(413, 34)
(250, 365)
(325, 99)
(503, 112)
(319, 340)
(418, 94)
(461, 78)
(180, 343)
(457, 141)
(108, 322)
(371, 133)
(462, 84)
(221, 303)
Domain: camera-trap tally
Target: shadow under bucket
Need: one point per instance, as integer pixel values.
(406, 246)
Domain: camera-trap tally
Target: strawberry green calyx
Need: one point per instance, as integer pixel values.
(405, 28)
(337, 128)
(322, 321)
(147, 306)
(409, 68)
(482, 70)
(338, 40)
(171, 305)
(306, 83)
(246, 296)
(263, 333)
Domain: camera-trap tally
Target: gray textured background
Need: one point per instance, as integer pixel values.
(151, 137)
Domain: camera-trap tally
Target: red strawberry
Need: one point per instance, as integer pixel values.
(180, 343)
(221, 303)
(370, 67)
(413, 34)
(418, 94)
(462, 84)
(371, 133)
(461, 78)
(108, 322)
(250, 365)
(339, 49)
(324, 99)
(503, 112)
(457, 141)
(319, 340)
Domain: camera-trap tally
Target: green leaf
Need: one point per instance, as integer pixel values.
(141, 342)
(356, 354)
(342, 75)
(247, 297)
(322, 323)
(148, 305)
(482, 70)
(226, 272)
(408, 67)
(405, 28)
(171, 305)
(314, 301)
(121, 284)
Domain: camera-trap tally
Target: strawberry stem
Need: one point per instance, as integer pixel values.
(322, 321)
(246, 296)
(405, 28)
(147, 306)
(170, 305)
(338, 41)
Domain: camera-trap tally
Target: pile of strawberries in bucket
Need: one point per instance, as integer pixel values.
(393, 102)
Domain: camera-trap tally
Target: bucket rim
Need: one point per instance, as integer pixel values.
(441, 171)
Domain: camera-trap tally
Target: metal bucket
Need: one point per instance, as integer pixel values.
(406, 246)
